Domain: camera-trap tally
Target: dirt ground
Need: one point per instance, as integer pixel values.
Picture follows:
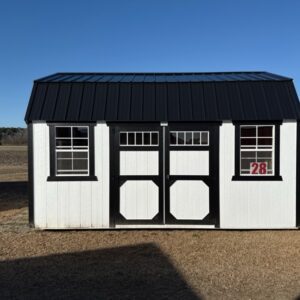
(13, 163)
(138, 264)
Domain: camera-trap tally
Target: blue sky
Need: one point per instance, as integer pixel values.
(38, 38)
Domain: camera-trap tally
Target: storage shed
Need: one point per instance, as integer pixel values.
(164, 150)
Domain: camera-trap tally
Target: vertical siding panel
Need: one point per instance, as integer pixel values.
(189, 162)
(152, 162)
(97, 187)
(105, 175)
(74, 204)
(141, 191)
(122, 161)
(288, 145)
(52, 204)
(51, 187)
(39, 138)
(123, 196)
(96, 205)
(85, 204)
(62, 197)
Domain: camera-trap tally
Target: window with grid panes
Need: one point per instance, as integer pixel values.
(71, 150)
(257, 150)
(189, 138)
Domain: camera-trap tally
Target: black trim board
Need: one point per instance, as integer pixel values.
(72, 178)
(256, 178)
(91, 176)
(237, 176)
(30, 175)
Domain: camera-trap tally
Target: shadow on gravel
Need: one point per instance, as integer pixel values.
(135, 272)
(13, 195)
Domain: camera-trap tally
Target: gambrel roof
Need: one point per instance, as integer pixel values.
(173, 97)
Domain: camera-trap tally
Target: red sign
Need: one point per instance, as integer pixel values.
(258, 168)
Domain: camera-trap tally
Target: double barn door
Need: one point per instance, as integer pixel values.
(164, 174)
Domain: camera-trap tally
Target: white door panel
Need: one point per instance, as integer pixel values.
(139, 200)
(189, 200)
(139, 163)
(189, 162)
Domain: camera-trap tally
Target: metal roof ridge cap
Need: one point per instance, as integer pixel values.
(169, 82)
(270, 76)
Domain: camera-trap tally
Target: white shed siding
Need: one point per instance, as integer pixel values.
(139, 163)
(70, 204)
(189, 162)
(258, 204)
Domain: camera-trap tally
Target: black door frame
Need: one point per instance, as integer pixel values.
(211, 180)
(117, 180)
(164, 180)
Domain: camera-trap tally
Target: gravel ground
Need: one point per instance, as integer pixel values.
(140, 264)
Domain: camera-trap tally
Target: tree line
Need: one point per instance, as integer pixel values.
(13, 136)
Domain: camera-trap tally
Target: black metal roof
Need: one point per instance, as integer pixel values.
(147, 97)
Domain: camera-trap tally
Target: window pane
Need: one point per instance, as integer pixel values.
(80, 142)
(173, 139)
(154, 136)
(80, 164)
(80, 172)
(139, 138)
(248, 154)
(80, 155)
(123, 138)
(131, 139)
(189, 138)
(196, 138)
(63, 132)
(146, 138)
(64, 164)
(80, 132)
(204, 138)
(247, 142)
(180, 138)
(245, 172)
(268, 161)
(63, 143)
(264, 154)
(64, 154)
(245, 163)
(265, 131)
(264, 142)
(248, 131)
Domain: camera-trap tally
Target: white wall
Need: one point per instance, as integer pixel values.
(70, 204)
(243, 204)
(258, 204)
